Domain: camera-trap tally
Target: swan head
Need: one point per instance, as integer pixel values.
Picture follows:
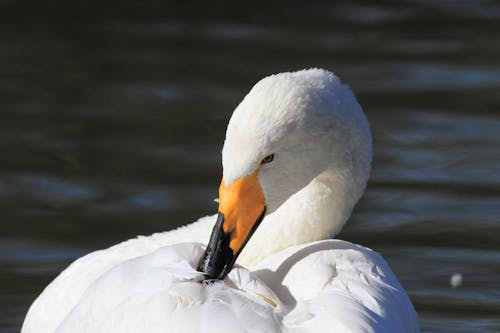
(287, 131)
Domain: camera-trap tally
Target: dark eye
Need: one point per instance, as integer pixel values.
(268, 159)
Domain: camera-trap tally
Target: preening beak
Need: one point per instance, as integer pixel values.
(241, 209)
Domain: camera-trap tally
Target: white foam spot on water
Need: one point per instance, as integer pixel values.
(456, 280)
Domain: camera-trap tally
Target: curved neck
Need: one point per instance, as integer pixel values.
(316, 212)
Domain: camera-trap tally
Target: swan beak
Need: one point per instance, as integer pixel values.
(241, 209)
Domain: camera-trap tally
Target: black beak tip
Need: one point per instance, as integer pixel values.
(218, 258)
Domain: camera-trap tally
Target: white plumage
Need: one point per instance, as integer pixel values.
(292, 278)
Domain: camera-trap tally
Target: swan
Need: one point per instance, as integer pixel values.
(296, 159)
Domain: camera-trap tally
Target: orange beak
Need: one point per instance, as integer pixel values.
(241, 209)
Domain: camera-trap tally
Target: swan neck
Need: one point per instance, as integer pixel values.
(316, 212)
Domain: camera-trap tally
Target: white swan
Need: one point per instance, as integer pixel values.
(297, 151)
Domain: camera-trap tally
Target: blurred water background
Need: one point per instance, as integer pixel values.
(112, 118)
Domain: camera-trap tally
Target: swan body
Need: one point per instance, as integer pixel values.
(290, 277)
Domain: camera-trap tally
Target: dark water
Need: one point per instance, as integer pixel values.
(112, 118)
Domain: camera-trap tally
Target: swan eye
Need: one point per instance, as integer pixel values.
(268, 159)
